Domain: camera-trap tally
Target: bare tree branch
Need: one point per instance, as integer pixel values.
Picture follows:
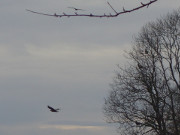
(95, 15)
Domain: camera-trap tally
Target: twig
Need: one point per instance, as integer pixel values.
(42, 13)
(112, 8)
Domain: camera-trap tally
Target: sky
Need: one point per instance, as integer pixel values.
(66, 63)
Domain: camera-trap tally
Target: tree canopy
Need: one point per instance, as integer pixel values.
(145, 94)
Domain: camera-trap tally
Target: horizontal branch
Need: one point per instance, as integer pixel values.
(115, 14)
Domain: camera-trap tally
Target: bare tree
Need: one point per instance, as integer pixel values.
(115, 13)
(145, 94)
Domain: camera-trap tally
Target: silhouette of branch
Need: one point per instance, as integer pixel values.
(115, 14)
(112, 8)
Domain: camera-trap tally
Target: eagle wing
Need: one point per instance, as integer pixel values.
(50, 108)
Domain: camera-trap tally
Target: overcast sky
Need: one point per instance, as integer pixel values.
(63, 62)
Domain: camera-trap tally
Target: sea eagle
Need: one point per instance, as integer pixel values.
(52, 109)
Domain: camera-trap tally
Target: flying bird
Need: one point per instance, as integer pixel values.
(52, 109)
(76, 8)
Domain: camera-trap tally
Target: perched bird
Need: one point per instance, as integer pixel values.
(138, 123)
(76, 8)
(52, 109)
(140, 66)
(146, 51)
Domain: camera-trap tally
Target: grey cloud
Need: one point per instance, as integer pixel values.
(63, 62)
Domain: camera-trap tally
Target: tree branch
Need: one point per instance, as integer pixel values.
(95, 15)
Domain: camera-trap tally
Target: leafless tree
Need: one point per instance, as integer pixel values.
(114, 13)
(145, 94)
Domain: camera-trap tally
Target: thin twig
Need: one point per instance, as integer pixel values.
(42, 13)
(112, 8)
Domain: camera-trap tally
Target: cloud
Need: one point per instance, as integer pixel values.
(72, 50)
(29, 129)
(72, 127)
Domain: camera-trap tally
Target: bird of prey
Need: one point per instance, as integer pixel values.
(146, 51)
(138, 123)
(76, 9)
(52, 109)
(140, 66)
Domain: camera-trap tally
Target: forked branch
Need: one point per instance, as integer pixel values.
(114, 14)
